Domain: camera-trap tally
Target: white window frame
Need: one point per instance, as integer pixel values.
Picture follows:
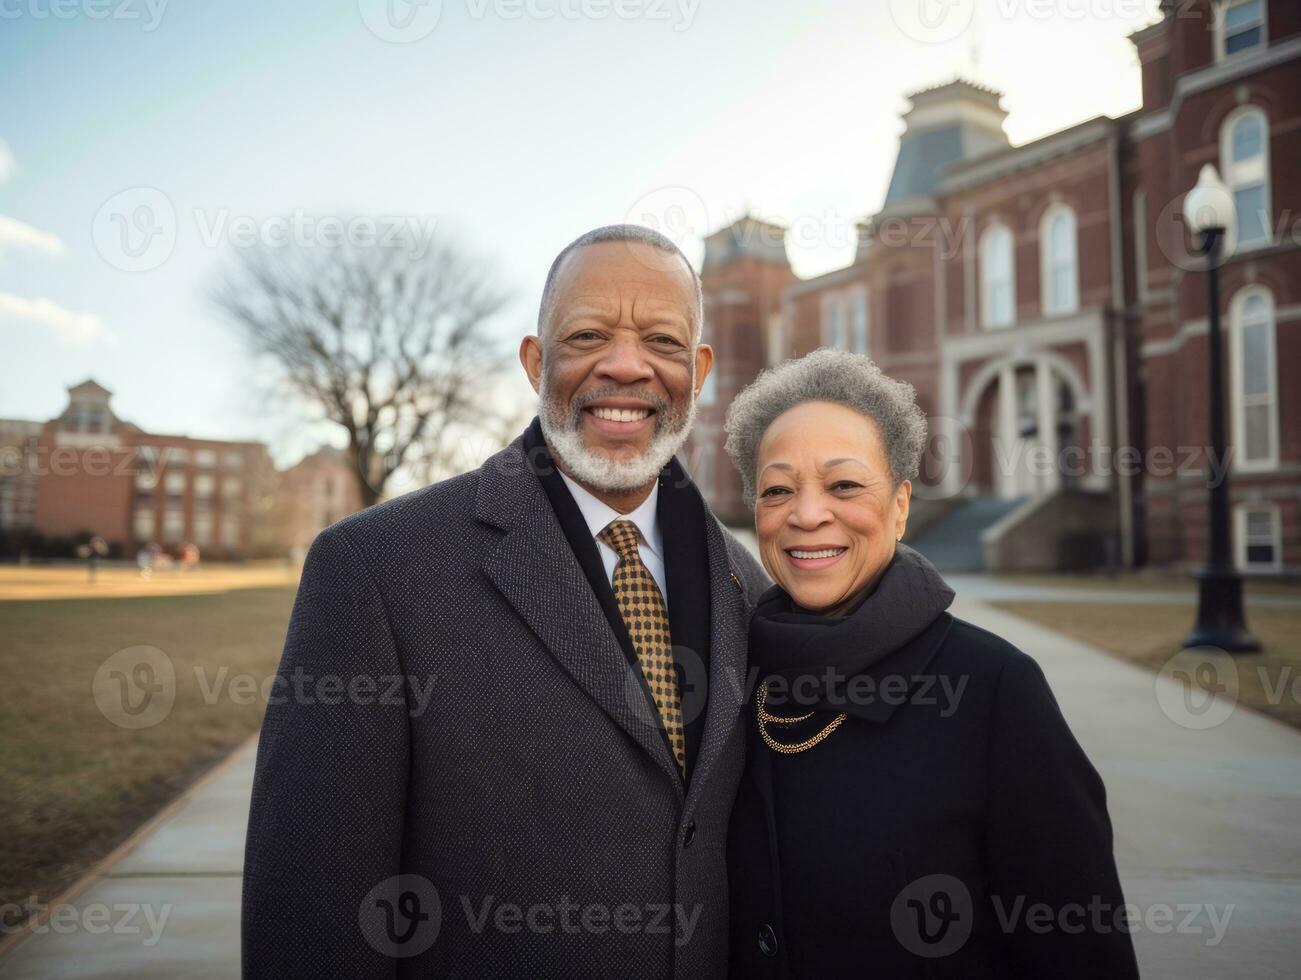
(1053, 306)
(987, 317)
(835, 322)
(1240, 541)
(1237, 399)
(776, 339)
(144, 523)
(1221, 16)
(203, 525)
(1240, 175)
(860, 321)
(231, 528)
(1140, 245)
(173, 525)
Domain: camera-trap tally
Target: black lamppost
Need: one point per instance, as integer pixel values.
(1221, 623)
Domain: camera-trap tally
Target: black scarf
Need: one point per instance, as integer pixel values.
(809, 658)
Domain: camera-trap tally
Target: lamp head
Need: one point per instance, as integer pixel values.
(1209, 206)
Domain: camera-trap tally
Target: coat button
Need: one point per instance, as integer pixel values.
(767, 940)
(689, 835)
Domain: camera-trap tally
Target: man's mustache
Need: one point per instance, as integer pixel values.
(657, 402)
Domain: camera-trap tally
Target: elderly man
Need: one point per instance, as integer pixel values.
(528, 765)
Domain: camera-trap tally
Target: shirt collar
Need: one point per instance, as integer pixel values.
(599, 514)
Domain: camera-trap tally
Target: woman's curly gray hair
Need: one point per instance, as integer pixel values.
(825, 375)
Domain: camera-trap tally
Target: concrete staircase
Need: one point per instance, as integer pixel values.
(953, 543)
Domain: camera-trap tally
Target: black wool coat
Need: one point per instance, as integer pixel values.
(958, 831)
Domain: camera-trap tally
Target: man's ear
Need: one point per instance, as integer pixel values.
(530, 355)
(704, 364)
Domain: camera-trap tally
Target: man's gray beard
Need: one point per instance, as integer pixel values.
(563, 432)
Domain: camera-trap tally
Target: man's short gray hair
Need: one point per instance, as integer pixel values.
(852, 380)
(620, 233)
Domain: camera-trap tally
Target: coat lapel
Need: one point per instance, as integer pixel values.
(535, 570)
(728, 621)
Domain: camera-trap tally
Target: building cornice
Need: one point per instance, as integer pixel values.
(1213, 76)
(836, 277)
(991, 166)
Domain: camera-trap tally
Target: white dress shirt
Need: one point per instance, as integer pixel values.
(650, 544)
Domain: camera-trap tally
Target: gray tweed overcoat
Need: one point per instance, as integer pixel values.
(458, 775)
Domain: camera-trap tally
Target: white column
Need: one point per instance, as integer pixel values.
(1006, 458)
(952, 434)
(1047, 398)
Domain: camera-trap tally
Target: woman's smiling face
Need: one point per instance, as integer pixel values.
(827, 513)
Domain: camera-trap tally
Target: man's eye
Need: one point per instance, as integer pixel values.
(665, 341)
(585, 335)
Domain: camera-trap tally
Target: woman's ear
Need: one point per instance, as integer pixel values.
(902, 499)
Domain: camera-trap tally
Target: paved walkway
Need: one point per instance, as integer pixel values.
(990, 589)
(1208, 829)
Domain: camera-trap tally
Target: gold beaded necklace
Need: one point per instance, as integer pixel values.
(765, 719)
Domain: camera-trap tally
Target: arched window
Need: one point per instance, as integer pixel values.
(997, 278)
(1244, 153)
(1255, 379)
(1240, 26)
(1060, 261)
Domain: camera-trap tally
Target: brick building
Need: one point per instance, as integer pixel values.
(312, 494)
(97, 473)
(1044, 301)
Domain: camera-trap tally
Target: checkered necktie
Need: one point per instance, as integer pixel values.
(642, 607)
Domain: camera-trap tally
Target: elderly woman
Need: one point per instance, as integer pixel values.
(914, 803)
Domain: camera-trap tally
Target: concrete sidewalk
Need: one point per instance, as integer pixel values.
(172, 902)
(1208, 827)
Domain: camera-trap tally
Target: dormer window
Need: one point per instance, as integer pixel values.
(1240, 27)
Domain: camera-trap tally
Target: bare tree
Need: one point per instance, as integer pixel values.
(390, 340)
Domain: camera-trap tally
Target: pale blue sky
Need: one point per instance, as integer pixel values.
(513, 133)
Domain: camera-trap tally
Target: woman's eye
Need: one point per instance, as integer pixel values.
(774, 492)
(846, 485)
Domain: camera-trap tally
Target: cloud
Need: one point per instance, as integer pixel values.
(71, 328)
(8, 165)
(13, 232)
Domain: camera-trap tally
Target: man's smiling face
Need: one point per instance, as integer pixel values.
(617, 363)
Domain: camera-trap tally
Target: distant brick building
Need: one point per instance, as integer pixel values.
(314, 493)
(18, 441)
(1042, 300)
(96, 473)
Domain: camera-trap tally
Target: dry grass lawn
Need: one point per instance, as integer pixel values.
(73, 784)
